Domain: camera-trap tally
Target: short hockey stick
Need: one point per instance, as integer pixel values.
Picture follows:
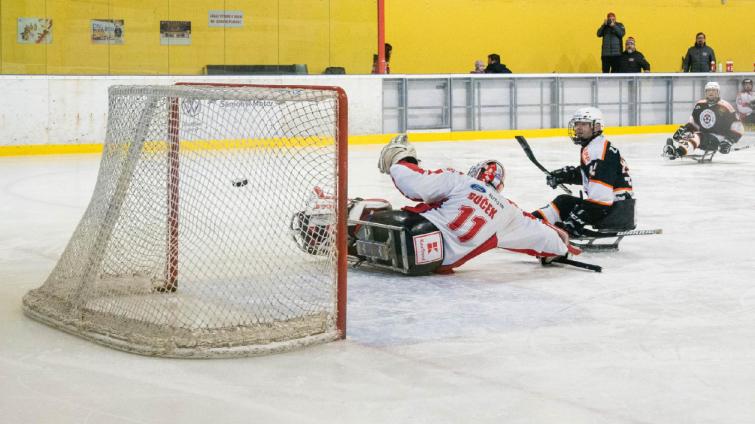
(746, 146)
(578, 264)
(528, 151)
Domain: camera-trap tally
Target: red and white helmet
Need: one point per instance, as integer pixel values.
(489, 171)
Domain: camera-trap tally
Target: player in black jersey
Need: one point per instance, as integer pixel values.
(713, 126)
(603, 173)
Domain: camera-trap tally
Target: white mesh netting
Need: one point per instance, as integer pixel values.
(186, 249)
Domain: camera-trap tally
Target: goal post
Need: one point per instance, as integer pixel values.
(186, 247)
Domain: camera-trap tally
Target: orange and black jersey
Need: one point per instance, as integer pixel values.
(603, 173)
(718, 118)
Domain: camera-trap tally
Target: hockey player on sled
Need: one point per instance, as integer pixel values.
(460, 217)
(606, 214)
(713, 128)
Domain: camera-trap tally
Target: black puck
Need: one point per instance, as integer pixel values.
(241, 182)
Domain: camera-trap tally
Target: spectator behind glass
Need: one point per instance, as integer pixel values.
(479, 67)
(388, 49)
(746, 102)
(612, 33)
(699, 56)
(495, 66)
(631, 60)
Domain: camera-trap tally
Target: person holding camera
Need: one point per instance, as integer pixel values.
(612, 33)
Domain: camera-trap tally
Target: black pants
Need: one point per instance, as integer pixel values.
(620, 216)
(610, 64)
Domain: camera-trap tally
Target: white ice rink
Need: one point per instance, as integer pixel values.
(666, 334)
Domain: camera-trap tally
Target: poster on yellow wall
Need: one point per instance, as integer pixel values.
(107, 31)
(226, 18)
(34, 31)
(175, 33)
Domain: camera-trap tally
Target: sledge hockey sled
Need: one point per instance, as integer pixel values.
(705, 157)
(608, 233)
(396, 240)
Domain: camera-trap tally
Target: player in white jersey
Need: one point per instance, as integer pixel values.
(713, 126)
(468, 210)
(746, 102)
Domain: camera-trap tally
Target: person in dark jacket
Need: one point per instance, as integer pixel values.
(699, 56)
(632, 60)
(612, 33)
(495, 66)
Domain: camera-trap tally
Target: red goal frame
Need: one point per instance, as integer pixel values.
(342, 136)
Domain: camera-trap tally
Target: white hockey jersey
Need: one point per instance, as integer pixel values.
(472, 216)
(745, 100)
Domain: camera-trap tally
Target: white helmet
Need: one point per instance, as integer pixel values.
(397, 149)
(489, 171)
(711, 86)
(592, 115)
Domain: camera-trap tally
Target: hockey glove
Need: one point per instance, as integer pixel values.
(397, 149)
(574, 224)
(561, 176)
(725, 146)
(679, 134)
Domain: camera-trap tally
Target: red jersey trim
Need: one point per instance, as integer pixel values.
(490, 243)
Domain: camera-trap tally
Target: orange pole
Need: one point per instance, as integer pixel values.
(381, 36)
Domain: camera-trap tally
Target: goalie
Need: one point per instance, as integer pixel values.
(460, 217)
(471, 217)
(712, 127)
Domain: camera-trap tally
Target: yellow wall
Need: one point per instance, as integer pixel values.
(319, 33)
(438, 36)
(543, 36)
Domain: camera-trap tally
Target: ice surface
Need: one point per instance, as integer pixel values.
(666, 334)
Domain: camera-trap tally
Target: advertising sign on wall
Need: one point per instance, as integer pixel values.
(175, 33)
(226, 18)
(34, 31)
(107, 31)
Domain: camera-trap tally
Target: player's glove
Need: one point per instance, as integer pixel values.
(560, 176)
(397, 149)
(574, 224)
(724, 147)
(679, 134)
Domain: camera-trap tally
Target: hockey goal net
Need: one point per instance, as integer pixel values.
(185, 249)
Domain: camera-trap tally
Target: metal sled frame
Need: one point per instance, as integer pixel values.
(607, 240)
(597, 244)
(706, 156)
(371, 251)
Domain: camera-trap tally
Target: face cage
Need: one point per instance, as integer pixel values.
(573, 132)
(496, 182)
(717, 98)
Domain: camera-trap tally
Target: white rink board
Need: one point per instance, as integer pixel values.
(664, 335)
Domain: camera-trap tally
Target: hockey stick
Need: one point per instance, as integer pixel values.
(599, 234)
(578, 264)
(528, 151)
(746, 146)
